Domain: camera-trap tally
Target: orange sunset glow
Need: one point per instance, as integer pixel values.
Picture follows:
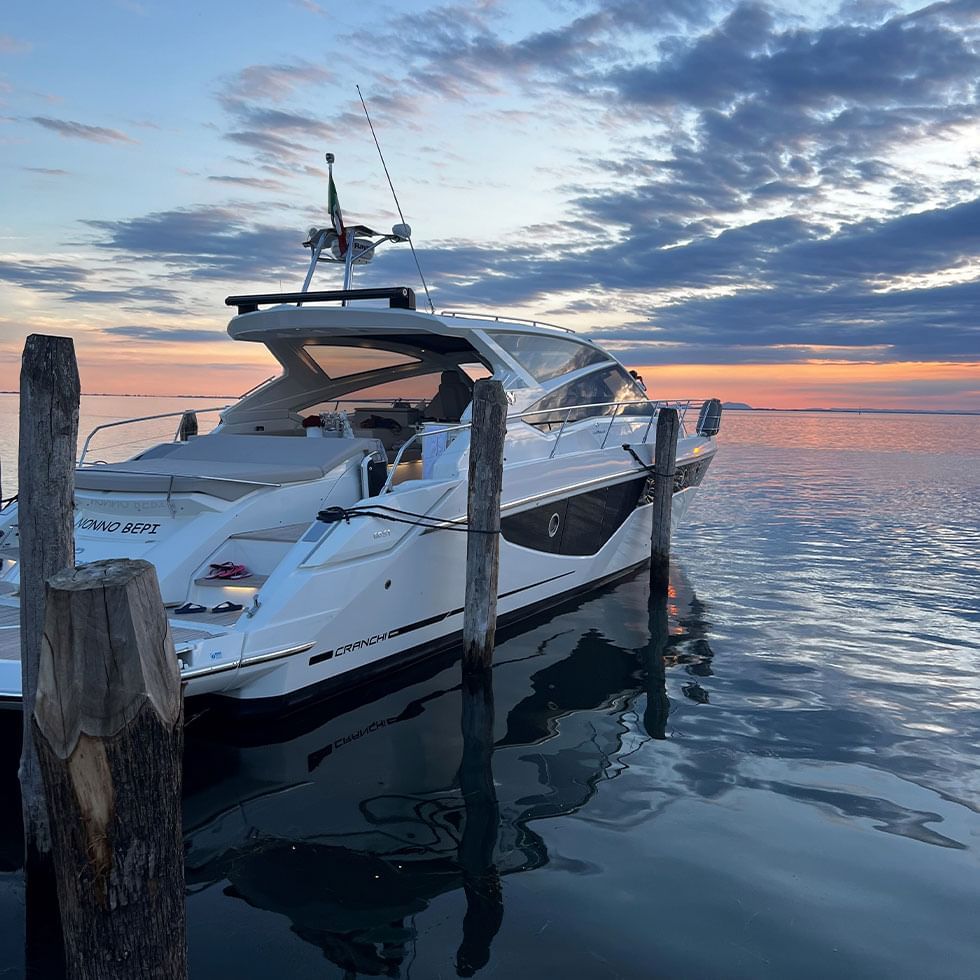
(837, 384)
(225, 368)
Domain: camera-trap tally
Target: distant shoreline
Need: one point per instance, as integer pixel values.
(115, 394)
(858, 411)
(727, 407)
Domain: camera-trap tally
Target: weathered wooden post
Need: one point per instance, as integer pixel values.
(483, 514)
(481, 883)
(49, 398)
(187, 427)
(664, 468)
(108, 724)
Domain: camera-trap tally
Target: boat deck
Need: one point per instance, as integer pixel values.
(184, 632)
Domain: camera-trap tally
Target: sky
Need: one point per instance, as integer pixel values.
(777, 204)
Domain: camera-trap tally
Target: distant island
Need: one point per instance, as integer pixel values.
(743, 407)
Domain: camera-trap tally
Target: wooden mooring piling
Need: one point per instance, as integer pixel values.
(102, 721)
(664, 470)
(49, 401)
(108, 726)
(481, 881)
(489, 425)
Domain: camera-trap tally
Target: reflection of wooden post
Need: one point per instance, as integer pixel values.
(481, 882)
(49, 396)
(483, 513)
(109, 731)
(664, 468)
(655, 678)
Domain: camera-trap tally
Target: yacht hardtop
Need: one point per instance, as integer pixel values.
(328, 354)
(273, 601)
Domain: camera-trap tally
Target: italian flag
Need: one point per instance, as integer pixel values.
(336, 217)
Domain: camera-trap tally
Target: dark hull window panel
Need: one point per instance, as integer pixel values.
(690, 474)
(546, 357)
(598, 387)
(586, 521)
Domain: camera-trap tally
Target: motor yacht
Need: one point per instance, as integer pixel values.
(272, 601)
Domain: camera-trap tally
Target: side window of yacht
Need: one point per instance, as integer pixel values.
(612, 384)
(440, 396)
(394, 410)
(476, 371)
(415, 392)
(341, 362)
(545, 357)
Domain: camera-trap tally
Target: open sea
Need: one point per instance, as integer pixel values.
(778, 779)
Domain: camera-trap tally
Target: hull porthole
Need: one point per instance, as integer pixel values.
(553, 525)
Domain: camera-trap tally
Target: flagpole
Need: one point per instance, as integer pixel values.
(346, 241)
(316, 247)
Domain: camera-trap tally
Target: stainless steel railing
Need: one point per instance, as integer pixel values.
(142, 418)
(612, 412)
(682, 406)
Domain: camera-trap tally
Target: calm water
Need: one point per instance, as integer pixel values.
(783, 782)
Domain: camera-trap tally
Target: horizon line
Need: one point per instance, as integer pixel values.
(729, 406)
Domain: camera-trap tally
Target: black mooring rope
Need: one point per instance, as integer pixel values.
(334, 515)
(650, 469)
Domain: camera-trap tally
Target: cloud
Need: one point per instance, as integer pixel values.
(273, 83)
(134, 294)
(13, 45)
(75, 283)
(47, 171)
(921, 242)
(256, 99)
(206, 243)
(42, 275)
(310, 6)
(176, 335)
(257, 183)
(899, 62)
(778, 284)
(76, 130)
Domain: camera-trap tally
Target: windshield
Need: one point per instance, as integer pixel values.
(546, 357)
(612, 384)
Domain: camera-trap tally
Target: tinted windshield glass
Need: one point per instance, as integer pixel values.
(610, 385)
(547, 357)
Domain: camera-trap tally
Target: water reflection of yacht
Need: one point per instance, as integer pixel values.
(350, 826)
(278, 598)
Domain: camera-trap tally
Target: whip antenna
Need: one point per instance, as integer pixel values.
(411, 245)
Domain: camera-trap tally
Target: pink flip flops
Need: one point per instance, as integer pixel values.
(228, 570)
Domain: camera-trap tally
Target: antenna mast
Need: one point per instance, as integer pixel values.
(411, 245)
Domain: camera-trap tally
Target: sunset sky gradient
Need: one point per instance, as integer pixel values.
(774, 203)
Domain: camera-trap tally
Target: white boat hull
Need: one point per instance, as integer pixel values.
(352, 599)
